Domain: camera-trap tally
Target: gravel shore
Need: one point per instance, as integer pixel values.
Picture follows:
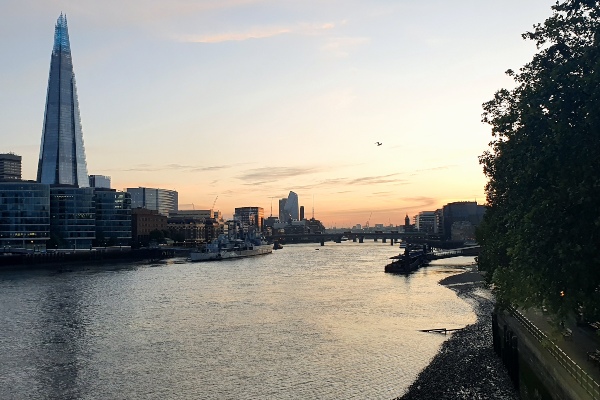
(466, 366)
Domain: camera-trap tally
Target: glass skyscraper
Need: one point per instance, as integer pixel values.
(62, 155)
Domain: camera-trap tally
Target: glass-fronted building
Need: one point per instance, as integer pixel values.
(162, 200)
(113, 217)
(73, 219)
(24, 215)
(100, 181)
(62, 155)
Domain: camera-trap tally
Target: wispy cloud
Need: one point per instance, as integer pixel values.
(440, 168)
(257, 33)
(341, 46)
(271, 174)
(172, 167)
(363, 181)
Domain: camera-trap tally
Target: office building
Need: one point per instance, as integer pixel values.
(282, 216)
(426, 222)
(301, 213)
(24, 215)
(10, 167)
(162, 200)
(251, 216)
(144, 221)
(292, 209)
(460, 211)
(72, 217)
(62, 155)
(113, 217)
(100, 181)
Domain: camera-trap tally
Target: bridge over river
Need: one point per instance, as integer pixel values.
(394, 237)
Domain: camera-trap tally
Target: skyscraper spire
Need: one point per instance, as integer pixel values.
(62, 154)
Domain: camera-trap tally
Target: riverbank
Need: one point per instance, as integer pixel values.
(466, 366)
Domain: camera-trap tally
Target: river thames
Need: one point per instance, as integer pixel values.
(304, 322)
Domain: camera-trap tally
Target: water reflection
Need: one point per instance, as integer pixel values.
(62, 341)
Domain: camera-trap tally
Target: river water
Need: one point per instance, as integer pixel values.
(304, 322)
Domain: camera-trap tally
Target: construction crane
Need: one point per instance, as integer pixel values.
(369, 221)
(214, 202)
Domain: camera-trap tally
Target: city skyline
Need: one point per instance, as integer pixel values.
(248, 100)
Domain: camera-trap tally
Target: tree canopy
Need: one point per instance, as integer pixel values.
(541, 233)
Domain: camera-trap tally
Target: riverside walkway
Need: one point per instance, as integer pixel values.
(565, 350)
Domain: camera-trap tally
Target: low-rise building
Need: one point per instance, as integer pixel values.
(144, 221)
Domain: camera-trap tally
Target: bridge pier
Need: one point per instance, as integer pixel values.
(361, 239)
(322, 242)
(354, 239)
(392, 242)
(375, 239)
(384, 240)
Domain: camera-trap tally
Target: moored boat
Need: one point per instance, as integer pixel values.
(223, 248)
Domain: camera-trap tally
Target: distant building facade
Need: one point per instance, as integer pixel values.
(282, 215)
(426, 222)
(461, 211)
(113, 217)
(100, 181)
(72, 217)
(251, 216)
(144, 221)
(162, 200)
(292, 208)
(24, 215)
(10, 167)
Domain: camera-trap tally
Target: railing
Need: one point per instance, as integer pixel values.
(586, 382)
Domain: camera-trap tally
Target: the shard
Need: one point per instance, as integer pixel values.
(62, 155)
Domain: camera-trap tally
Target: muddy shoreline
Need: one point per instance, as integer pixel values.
(466, 366)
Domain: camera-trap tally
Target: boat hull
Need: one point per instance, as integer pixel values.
(229, 254)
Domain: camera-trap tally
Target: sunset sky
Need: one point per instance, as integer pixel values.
(248, 99)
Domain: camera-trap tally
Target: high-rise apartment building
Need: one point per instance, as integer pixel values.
(162, 200)
(10, 167)
(62, 155)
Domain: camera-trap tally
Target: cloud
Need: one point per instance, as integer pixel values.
(257, 33)
(374, 180)
(231, 37)
(440, 168)
(341, 46)
(171, 167)
(271, 174)
(364, 181)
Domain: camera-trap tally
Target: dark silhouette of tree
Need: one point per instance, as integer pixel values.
(541, 233)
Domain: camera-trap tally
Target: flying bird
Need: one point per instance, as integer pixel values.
(378, 143)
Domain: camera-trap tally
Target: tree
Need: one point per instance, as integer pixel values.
(157, 235)
(541, 233)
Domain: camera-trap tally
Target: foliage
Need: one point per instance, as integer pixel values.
(541, 234)
(157, 235)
